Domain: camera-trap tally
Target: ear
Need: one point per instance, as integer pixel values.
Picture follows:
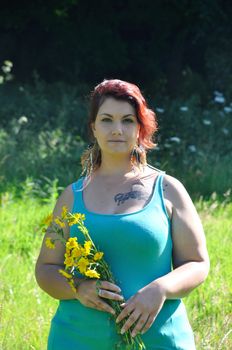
(93, 128)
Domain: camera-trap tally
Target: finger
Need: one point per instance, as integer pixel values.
(125, 312)
(131, 320)
(109, 295)
(149, 322)
(101, 306)
(91, 304)
(109, 286)
(130, 300)
(140, 324)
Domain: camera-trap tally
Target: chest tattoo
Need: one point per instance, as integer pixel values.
(120, 198)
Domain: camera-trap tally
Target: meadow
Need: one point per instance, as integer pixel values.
(43, 132)
(26, 311)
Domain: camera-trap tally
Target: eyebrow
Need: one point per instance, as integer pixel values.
(124, 116)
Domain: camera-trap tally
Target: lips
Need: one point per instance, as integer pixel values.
(116, 141)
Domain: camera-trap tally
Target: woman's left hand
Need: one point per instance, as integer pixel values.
(142, 308)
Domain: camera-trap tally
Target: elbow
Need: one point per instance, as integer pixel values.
(204, 267)
(41, 276)
(38, 274)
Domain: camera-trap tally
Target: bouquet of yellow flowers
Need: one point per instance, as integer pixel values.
(86, 260)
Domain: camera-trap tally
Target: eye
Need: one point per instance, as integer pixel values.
(128, 120)
(106, 120)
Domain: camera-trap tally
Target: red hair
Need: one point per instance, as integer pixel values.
(123, 90)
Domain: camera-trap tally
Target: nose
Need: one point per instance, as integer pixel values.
(116, 132)
(117, 129)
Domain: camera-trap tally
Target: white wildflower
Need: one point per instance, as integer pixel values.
(225, 131)
(167, 145)
(8, 63)
(206, 121)
(160, 110)
(192, 148)
(1, 79)
(183, 108)
(22, 120)
(6, 69)
(175, 139)
(219, 99)
(227, 109)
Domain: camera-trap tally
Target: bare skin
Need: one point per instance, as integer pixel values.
(190, 257)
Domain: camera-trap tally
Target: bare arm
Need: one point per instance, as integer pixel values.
(190, 257)
(51, 260)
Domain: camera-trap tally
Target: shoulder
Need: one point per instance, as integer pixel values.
(67, 194)
(66, 199)
(175, 192)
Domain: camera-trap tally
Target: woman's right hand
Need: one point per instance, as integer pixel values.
(91, 293)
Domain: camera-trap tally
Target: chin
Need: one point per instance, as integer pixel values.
(118, 152)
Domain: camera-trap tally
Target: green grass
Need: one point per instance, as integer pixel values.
(26, 311)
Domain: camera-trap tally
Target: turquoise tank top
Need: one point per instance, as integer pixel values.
(138, 248)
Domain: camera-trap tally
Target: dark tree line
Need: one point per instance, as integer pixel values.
(171, 46)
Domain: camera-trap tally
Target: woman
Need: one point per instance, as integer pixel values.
(147, 226)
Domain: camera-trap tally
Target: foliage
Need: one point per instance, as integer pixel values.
(194, 142)
(43, 106)
(44, 133)
(26, 311)
(153, 45)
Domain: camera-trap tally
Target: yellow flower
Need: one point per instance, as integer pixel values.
(76, 252)
(50, 243)
(48, 220)
(65, 274)
(68, 261)
(82, 265)
(81, 217)
(87, 247)
(64, 212)
(71, 243)
(76, 218)
(67, 254)
(92, 274)
(98, 256)
(71, 283)
(59, 222)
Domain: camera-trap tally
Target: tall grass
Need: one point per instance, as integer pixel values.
(210, 306)
(26, 311)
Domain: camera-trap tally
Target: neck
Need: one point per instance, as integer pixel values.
(114, 167)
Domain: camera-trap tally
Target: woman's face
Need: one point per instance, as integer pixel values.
(116, 128)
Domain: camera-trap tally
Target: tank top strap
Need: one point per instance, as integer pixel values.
(158, 195)
(77, 194)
